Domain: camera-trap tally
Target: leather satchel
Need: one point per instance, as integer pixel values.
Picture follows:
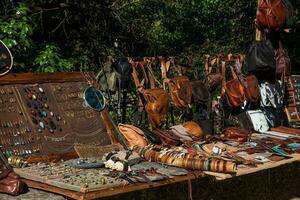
(271, 14)
(10, 182)
(133, 135)
(233, 89)
(157, 99)
(283, 62)
(181, 91)
(260, 60)
(157, 105)
(250, 83)
(167, 137)
(236, 134)
(201, 94)
(213, 76)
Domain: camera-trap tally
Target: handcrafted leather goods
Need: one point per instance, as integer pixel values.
(272, 95)
(260, 60)
(233, 89)
(157, 100)
(212, 73)
(180, 91)
(251, 88)
(284, 129)
(167, 137)
(205, 164)
(152, 138)
(10, 182)
(258, 120)
(122, 66)
(194, 129)
(200, 92)
(290, 21)
(133, 135)
(283, 62)
(6, 59)
(182, 133)
(157, 105)
(271, 14)
(236, 134)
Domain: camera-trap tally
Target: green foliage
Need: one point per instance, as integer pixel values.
(49, 60)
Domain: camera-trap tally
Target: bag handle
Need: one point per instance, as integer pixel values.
(223, 74)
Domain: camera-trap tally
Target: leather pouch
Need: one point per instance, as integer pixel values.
(233, 89)
(201, 94)
(236, 134)
(271, 14)
(181, 91)
(133, 135)
(10, 182)
(251, 88)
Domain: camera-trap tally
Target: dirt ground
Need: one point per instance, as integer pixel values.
(282, 183)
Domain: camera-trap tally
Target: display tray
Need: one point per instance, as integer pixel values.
(42, 114)
(109, 191)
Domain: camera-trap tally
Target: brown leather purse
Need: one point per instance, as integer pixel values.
(181, 91)
(283, 62)
(167, 137)
(10, 182)
(133, 135)
(271, 14)
(201, 94)
(236, 134)
(180, 87)
(157, 99)
(212, 73)
(233, 89)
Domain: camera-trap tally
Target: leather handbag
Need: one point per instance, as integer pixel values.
(133, 135)
(236, 134)
(250, 83)
(283, 62)
(213, 76)
(272, 95)
(180, 88)
(271, 14)
(180, 91)
(157, 99)
(260, 60)
(10, 182)
(167, 137)
(201, 94)
(193, 129)
(290, 21)
(233, 89)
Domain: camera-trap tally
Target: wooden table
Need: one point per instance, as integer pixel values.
(141, 186)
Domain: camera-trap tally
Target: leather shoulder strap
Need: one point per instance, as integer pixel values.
(223, 74)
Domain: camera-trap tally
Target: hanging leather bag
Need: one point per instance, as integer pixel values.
(249, 82)
(233, 89)
(283, 62)
(157, 99)
(260, 59)
(201, 94)
(271, 14)
(180, 87)
(213, 76)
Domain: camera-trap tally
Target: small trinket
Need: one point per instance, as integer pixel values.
(44, 114)
(41, 90)
(41, 125)
(51, 114)
(34, 97)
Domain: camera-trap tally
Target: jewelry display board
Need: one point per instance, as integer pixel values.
(43, 114)
(292, 109)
